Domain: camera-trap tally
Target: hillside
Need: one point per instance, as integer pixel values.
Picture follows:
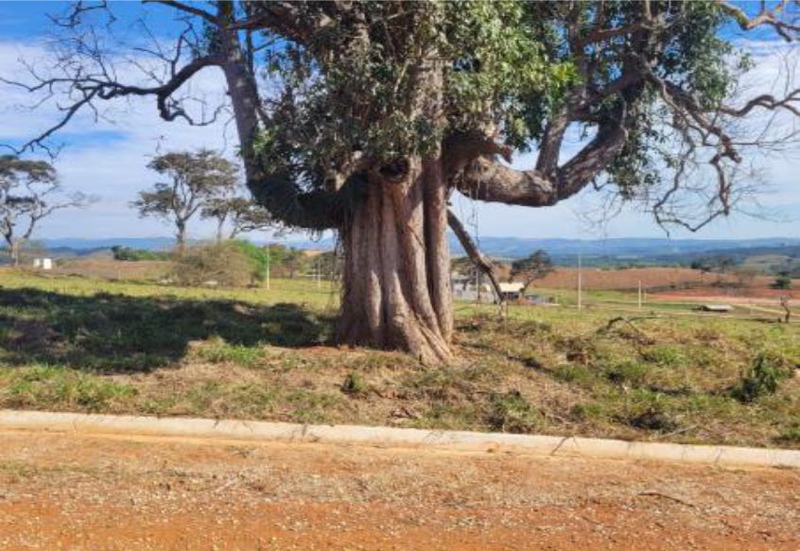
(771, 255)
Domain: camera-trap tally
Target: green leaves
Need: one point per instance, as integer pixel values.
(402, 81)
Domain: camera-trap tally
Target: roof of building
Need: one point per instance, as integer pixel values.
(513, 287)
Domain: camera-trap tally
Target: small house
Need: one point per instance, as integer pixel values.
(718, 308)
(511, 291)
(43, 263)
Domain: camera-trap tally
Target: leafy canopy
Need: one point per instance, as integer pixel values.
(341, 95)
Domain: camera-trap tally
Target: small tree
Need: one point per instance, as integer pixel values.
(241, 215)
(783, 281)
(535, 266)
(330, 265)
(194, 179)
(224, 264)
(464, 267)
(746, 275)
(29, 192)
(784, 300)
(295, 260)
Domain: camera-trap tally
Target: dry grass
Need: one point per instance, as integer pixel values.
(686, 280)
(259, 355)
(107, 268)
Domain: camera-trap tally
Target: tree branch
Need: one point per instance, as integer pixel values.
(490, 181)
(186, 8)
(475, 255)
(788, 31)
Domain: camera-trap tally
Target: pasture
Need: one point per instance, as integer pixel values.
(72, 343)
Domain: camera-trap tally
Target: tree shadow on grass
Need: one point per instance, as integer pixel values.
(110, 333)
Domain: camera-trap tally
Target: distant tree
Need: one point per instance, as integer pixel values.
(782, 282)
(241, 215)
(329, 264)
(128, 254)
(702, 264)
(294, 261)
(465, 267)
(194, 179)
(29, 192)
(725, 263)
(787, 316)
(746, 275)
(527, 270)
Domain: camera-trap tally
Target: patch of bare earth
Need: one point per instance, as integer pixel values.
(104, 492)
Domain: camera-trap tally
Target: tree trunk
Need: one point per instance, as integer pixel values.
(180, 238)
(15, 248)
(396, 274)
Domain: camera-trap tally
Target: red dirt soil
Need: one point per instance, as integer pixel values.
(106, 492)
(684, 281)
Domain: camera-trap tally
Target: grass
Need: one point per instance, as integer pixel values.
(75, 344)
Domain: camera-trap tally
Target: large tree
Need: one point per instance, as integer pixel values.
(194, 180)
(29, 192)
(364, 117)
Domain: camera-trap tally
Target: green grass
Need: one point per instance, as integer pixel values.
(75, 344)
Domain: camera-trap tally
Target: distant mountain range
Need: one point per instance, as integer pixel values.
(564, 251)
(635, 251)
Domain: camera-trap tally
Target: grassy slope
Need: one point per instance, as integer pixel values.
(85, 345)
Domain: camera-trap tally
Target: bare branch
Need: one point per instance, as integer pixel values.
(789, 31)
(475, 255)
(182, 6)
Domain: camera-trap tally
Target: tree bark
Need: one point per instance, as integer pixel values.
(15, 248)
(396, 292)
(180, 238)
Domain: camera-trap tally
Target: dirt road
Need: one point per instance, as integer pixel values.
(104, 492)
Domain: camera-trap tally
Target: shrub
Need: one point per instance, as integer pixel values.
(135, 255)
(512, 413)
(791, 435)
(665, 355)
(626, 372)
(219, 264)
(782, 282)
(762, 377)
(354, 385)
(259, 259)
(647, 410)
(575, 373)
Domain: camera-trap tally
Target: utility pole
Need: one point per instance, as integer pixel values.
(580, 282)
(267, 265)
(640, 295)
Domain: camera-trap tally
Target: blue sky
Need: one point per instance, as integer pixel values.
(107, 158)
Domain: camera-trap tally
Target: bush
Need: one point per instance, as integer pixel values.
(782, 282)
(626, 372)
(762, 377)
(221, 264)
(135, 255)
(512, 413)
(354, 385)
(259, 259)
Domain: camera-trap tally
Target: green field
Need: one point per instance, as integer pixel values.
(78, 344)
